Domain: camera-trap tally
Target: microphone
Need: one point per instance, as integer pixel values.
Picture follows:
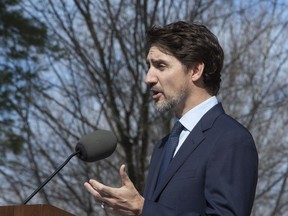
(91, 147)
(89, 152)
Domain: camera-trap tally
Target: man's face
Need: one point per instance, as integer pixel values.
(169, 81)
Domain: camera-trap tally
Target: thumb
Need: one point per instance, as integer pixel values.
(124, 177)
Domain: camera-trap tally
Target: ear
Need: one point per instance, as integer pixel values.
(197, 71)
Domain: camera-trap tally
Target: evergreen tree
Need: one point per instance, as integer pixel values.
(22, 40)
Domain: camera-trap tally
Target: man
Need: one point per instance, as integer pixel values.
(213, 168)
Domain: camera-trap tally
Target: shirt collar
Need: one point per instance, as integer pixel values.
(193, 116)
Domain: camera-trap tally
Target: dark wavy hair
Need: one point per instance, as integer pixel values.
(191, 43)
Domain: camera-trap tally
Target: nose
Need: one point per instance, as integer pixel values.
(151, 77)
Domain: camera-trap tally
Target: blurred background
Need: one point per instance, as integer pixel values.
(69, 67)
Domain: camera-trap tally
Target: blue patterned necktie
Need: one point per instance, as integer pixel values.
(170, 147)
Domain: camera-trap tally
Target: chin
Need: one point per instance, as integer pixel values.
(163, 106)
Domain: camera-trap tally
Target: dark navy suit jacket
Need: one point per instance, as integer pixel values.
(213, 173)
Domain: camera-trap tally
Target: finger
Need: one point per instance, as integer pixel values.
(95, 184)
(102, 189)
(94, 192)
(124, 177)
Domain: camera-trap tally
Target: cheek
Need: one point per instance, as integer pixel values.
(172, 82)
(169, 86)
(176, 84)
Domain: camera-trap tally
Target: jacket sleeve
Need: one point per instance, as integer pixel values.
(231, 175)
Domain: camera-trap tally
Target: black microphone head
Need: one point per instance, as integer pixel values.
(96, 145)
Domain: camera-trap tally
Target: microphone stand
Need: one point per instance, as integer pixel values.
(50, 177)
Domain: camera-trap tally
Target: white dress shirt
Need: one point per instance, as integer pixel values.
(192, 117)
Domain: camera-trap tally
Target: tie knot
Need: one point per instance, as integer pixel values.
(176, 130)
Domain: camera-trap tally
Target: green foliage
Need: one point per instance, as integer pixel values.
(22, 40)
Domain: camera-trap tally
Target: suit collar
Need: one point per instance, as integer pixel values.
(193, 116)
(194, 139)
(210, 117)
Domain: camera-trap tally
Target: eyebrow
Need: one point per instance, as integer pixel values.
(156, 61)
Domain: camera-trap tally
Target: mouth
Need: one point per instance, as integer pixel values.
(156, 94)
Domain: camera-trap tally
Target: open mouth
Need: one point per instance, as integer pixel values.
(156, 94)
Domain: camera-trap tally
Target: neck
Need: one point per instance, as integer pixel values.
(191, 102)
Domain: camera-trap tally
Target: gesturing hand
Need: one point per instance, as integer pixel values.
(125, 200)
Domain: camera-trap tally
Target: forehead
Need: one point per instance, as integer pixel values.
(156, 53)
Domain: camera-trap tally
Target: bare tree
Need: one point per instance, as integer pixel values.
(255, 92)
(96, 81)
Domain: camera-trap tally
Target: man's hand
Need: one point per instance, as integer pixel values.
(125, 200)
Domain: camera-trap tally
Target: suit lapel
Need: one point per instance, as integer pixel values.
(155, 168)
(186, 149)
(190, 144)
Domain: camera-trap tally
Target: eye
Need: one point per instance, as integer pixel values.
(161, 66)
